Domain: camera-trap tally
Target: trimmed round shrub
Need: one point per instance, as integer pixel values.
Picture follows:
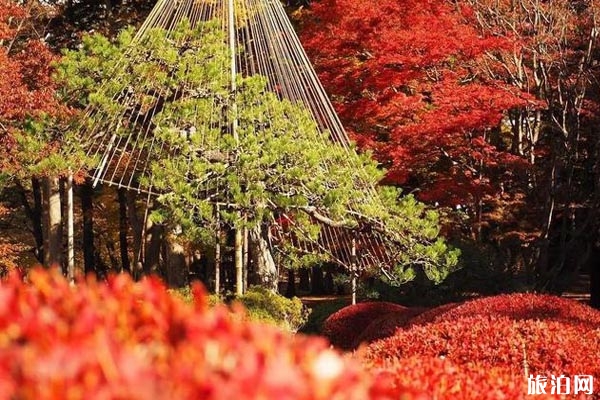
(125, 340)
(546, 347)
(521, 306)
(343, 327)
(484, 349)
(386, 325)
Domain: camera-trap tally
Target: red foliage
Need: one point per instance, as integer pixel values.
(405, 79)
(443, 379)
(343, 327)
(26, 86)
(129, 340)
(521, 306)
(488, 345)
(386, 325)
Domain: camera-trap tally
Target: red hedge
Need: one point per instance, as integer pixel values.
(443, 379)
(549, 347)
(126, 340)
(483, 348)
(343, 327)
(520, 306)
(386, 325)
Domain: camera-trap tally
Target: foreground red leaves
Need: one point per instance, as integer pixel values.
(129, 340)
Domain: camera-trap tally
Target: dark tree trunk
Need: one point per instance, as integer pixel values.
(36, 218)
(595, 279)
(318, 284)
(328, 284)
(290, 291)
(177, 271)
(34, 213)
(123, 229)
(304, 284)
(154, 240)
(265, 271)
(87, 209)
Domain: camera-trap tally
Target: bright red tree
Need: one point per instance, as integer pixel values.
(407, 80)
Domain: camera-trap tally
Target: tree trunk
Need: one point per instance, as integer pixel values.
(52, 222)
(177, 274)
(36, 218)
(123, 229)
(265, 271)
(154, 241)
(328, 283)
(218, 262)
(87, 209)
(239, 262)
(304, 283)
(245, 259)
(318, 286)
(137, 229)
(70, 229)
(595, 279)
(290, 291)
(34, 213)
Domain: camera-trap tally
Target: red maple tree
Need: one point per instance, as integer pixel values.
(407, 80)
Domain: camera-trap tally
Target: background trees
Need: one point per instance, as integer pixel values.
(486, 105)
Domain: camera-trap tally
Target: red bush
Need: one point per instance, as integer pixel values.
(443, 379)
(386, 325)
(129, 340)
(343, 327)
(521, 306)
(486, 343)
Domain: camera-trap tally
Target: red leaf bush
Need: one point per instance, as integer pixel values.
(482, 349)
(386, 325)
(521, 306)
(547, 347)
(126, 340)
(343, 327)
(443, 379)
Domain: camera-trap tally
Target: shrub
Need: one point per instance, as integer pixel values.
(521, 306)
(344, 327)
(443, 379)
(386, 325)
(264, 305)
(519, 347)
(483, 348)
(129, 340)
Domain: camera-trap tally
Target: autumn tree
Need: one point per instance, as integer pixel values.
(554, 58)
(405, 79)
(27, 97)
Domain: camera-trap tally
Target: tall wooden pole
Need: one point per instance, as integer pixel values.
(239, 240)
(218, 253)
(70, 231)
(353, 271)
